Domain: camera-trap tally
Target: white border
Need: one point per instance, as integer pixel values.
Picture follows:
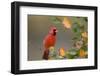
(24, 64)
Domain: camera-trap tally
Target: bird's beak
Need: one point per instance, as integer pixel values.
(56, 30)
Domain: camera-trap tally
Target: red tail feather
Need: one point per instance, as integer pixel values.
(46, 54)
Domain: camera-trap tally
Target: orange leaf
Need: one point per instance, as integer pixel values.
(82, 53)
(62, 52)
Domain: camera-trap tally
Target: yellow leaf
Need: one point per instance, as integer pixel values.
(66, 22)
(62, 52)
(84, 34)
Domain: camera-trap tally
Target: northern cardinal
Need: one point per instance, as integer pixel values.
(49, 41)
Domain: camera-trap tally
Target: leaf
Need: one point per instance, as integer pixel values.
(82, 53)
(85, 48)
(85, 18)
(72, 51)
(70, 56)
(84, 34)
(52, 52)
(62, 52)
(74, 38)
(67, 22)
(55, 21)
(75, 28)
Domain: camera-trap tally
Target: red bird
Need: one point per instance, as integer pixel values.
(49, 41)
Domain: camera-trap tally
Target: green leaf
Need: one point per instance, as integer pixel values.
(75, 38)
(55, 20)
(85, 48)
(70, 56)
(75, 28)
